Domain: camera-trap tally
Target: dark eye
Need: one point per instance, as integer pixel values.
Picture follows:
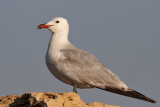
(57, 21)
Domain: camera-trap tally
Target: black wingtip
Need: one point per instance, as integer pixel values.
(129, 93)
(142, 97)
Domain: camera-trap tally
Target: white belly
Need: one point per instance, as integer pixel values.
(60, 75)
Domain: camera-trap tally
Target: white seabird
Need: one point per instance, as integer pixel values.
(79, 68)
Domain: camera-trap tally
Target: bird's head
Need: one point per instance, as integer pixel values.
(56, 25)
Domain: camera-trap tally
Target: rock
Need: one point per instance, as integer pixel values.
(48, 99)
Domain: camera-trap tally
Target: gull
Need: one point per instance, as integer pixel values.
(79, 68)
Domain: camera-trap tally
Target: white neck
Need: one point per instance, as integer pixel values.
(57, 42)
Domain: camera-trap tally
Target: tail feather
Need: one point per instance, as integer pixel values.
(129, 93)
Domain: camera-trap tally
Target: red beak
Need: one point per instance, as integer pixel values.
(41, 26)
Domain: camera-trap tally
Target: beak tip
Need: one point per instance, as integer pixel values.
(41, 26)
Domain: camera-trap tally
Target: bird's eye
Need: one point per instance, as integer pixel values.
(57, 21)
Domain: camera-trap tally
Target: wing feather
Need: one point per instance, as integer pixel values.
(83, 68)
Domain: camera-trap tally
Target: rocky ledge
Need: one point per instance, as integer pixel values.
(48, 99)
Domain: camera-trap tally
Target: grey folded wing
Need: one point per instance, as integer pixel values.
(83, 68)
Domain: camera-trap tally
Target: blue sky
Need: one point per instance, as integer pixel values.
(123, 35)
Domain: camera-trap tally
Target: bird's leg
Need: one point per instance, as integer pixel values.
(75, 89)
